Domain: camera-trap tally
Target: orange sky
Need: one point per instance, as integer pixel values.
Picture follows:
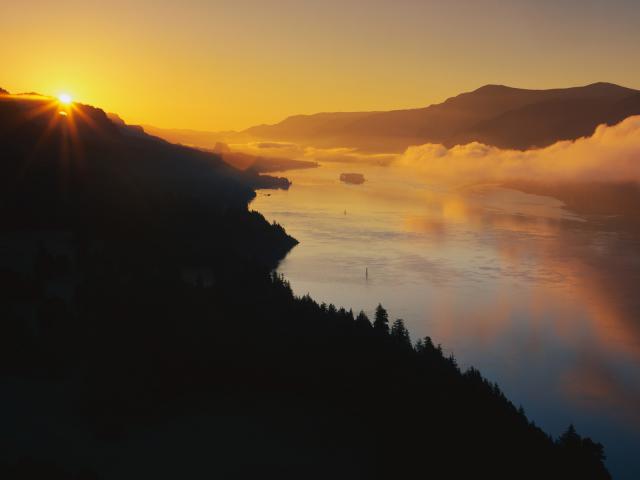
(222, 64)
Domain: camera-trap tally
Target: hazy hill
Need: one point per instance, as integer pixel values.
(258, 163)
(494, 114)
(216, 142)
(196, 138)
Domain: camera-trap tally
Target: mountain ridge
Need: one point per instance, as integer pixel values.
(498, 115)
(457, 118)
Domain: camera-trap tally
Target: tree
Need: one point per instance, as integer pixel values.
(400, 333)
(570, 438)
(584, 457)
(363, 322)
(381, 322)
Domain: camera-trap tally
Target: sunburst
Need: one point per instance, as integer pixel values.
(65, 99)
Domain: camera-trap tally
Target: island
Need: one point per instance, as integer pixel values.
(352, 178)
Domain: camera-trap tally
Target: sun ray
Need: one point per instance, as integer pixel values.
(45, 107)
(75, 140)
(64, 123)
(36, 147)
(85, 118)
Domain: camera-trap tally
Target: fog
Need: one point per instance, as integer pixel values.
(611, 154)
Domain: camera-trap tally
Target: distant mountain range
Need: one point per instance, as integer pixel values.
(496, 115)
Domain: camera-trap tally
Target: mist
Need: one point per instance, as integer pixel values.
(611, 154)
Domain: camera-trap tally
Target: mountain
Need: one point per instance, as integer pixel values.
(497, 115)
(144, 334)
(73, 168)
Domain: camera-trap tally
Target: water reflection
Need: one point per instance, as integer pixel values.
(542, 300)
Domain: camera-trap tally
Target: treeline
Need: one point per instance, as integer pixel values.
(350, 397)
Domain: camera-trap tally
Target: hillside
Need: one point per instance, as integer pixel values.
(144, 335)
(73, 168)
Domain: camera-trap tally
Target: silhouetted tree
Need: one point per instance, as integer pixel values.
(400, 332)
(570, 438)
(363, 322)
(424, 346)
(583, 457)
(381, 322)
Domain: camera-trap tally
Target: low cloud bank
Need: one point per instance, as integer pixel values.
(611, 154)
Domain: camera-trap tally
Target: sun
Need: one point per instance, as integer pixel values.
(65, 98)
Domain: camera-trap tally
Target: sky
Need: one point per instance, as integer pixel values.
(231, 64)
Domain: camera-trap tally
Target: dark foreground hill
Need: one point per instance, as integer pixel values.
(142, 335)
(494, 114)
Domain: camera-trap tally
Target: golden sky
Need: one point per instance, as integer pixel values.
(230, 64)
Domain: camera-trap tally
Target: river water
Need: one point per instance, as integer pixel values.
(541, 300)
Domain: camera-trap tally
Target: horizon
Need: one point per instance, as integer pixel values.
(438, 102)
(72, 98)
(230, 65)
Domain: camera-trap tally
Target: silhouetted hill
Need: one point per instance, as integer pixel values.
(542, 124)
(143, 335)
(76, 169)
(628, 106)
(494, 114)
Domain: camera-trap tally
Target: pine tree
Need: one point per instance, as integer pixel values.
(381, 322)
(400, 332)
(363, 322)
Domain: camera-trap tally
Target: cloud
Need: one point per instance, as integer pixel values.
(347, 155)
(273, 145)
(611, 154)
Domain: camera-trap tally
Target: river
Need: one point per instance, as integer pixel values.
(540, 299)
